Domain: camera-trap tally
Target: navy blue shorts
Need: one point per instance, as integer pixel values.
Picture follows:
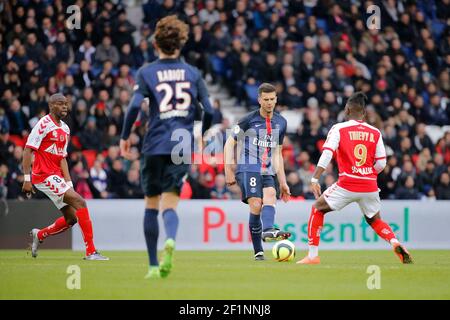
(159, 174)
(253, 183)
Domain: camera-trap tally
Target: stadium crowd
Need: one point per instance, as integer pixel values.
(316, 52)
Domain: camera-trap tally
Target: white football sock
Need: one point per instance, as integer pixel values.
(313, 252)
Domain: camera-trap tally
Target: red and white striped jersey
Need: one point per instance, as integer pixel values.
(49, 141)
(356, 146)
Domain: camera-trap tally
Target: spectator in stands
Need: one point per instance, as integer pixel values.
(80, 176)
(111, 137)
(117, 180)
(428, 178)
(295, 184)
(408, 191)
(90, 137)
(112, 155)
(84, 78)
(106, 51)
(220, 190)
(133, 186)
(443, 187)
(99, 177)
(209, 14)
(17, 119)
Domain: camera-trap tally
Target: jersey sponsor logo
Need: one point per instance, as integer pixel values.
(53, 149)
(264, 144)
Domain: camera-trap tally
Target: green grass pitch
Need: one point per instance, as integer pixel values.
(229, 275)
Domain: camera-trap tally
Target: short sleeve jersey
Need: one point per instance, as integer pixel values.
(173, 88)
(260, 138)
(49, 141)
(356, 145)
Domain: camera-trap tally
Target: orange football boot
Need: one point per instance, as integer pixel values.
(308, 260)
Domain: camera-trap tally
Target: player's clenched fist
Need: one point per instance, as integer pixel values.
(27, 188)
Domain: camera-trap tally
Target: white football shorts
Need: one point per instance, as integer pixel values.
(338, 198)
(54, 187)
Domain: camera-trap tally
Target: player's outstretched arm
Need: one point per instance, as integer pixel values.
(229, 156)
(27, 187)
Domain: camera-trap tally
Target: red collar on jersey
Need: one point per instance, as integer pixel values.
(50, 115)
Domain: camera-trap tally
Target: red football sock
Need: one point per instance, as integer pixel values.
(58, 226)
(383, 230)
(315, 225)
(85, 223)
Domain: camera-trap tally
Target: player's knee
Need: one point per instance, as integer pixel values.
(372, 219)
(152, 202)
(255, 205)
(321, 205)
(271, 200)
(80, 203)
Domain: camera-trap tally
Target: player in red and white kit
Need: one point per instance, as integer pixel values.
(48, 141)
(360, 156)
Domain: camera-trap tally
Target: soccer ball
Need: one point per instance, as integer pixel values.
(283, 250)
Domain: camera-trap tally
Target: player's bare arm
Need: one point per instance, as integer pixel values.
(125, 148)
(315, 185)
(65, 172)
(27, 187)
(230, 177)
(284, 188)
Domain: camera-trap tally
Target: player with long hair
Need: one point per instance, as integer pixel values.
(174, 89)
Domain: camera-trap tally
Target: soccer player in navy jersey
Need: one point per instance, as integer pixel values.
(174, 90)
(260, 169)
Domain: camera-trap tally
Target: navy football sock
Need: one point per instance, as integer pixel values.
(151, 231)
(170, 218)
(254, 224)
(268, 216)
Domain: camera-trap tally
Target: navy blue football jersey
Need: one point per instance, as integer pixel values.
(260, 138)
(174, 90)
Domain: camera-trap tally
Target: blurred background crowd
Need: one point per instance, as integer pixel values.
(316, 52)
